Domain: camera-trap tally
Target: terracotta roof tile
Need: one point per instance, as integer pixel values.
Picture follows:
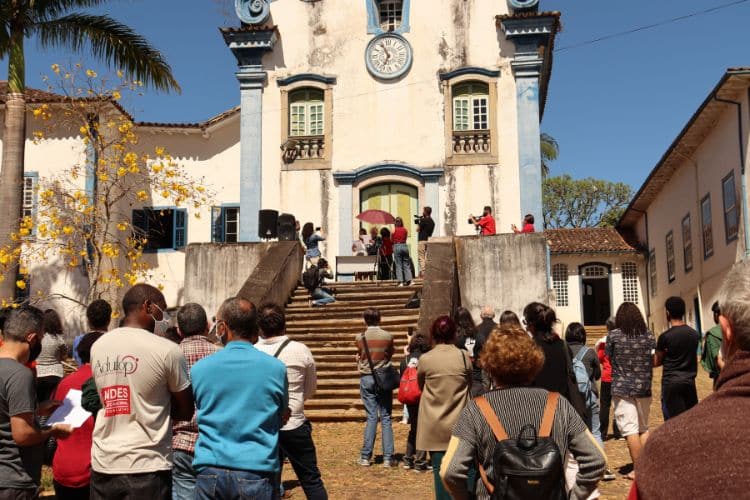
(32, 95)
(590, 240)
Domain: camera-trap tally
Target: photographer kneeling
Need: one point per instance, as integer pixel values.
(486, 223)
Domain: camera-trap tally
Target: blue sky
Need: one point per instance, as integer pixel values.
(614, 106)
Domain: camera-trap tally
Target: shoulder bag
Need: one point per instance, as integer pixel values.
(386, 378)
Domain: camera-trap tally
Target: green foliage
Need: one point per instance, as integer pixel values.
(586, 202)
(550, 151)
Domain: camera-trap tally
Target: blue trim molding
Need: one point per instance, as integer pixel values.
(306, 77)
(424, 175)
(469, 70)
(373, 17)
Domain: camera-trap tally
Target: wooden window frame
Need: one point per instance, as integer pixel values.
(312, 163)
(707, 251)
(652, 274)
(669, 248)
(452, 158)
(734, 208)
(179, 231)
(687, 243)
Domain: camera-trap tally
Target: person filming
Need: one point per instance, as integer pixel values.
(486, 223)
(425, 226)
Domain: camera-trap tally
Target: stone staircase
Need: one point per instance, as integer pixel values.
(330, 331)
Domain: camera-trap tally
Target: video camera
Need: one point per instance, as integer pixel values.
(470, 216)
(417, 219)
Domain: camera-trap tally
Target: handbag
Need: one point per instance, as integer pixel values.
(386, 377)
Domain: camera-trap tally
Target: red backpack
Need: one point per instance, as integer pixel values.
(408, 390)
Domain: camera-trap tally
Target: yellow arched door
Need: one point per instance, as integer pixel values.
(400, 200)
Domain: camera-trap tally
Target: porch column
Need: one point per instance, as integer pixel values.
(248, 46)
(345, 218)
(532, 37)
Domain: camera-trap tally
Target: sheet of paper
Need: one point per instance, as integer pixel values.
(71, 412)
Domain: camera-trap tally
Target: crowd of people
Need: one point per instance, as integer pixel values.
(513, 409)
(173, 416)
(485, 387)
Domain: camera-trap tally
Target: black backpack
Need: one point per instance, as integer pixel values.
(528, 467)
(310, 278)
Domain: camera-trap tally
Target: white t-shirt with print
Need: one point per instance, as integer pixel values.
(135, 373)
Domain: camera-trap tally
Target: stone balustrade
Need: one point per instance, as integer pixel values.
(306, 148)
(471, 142)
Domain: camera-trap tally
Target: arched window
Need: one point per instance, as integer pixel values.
(306, 109)
(560, 284)
(390, 14)
(595, 271)
(630, 282)
(470, 106)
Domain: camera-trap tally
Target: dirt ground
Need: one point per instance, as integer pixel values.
(338, 449)
(339, 444)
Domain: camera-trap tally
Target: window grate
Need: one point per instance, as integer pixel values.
(391, 13)
(560, 284)
(670, 257)
(595, 272)
(652, 272)
(630, 282)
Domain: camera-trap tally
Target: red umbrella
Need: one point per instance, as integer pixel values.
(376, 217)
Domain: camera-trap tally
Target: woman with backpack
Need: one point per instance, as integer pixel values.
(413, 458)
(490, 428)
(444, 376)
(575, 336)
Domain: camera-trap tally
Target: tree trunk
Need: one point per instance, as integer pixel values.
(11, 173)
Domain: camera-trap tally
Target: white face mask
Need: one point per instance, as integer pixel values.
(160, 326)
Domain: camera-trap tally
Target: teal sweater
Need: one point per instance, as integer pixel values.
(240, 397)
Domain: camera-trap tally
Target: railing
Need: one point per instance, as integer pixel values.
(310, 147)
(471, 142)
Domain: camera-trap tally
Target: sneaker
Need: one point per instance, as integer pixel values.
(421, 468)
(400, 284)
(388, 464)
(363, 462)
(609, 475)
(407, 465)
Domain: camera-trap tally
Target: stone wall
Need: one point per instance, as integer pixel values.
(440, 288)
(214, 272)
(506, 271)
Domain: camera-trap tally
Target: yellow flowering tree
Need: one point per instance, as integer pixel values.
(83, 220)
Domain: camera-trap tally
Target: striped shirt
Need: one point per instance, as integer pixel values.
(516, 407)
(380, 344)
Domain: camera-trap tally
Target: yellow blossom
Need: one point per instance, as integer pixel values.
(21, 284)
(68, 230)
(116, 95)
(56, 68)
(122, 226)
(159, 151)
(142, 195)
(91, 73)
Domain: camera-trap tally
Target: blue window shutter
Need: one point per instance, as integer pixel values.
(179, 237)
(217, 225)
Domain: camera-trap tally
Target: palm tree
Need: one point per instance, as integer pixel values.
(54, 24)
(550, 150)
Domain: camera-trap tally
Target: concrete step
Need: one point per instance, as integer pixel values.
(342, 311)
(343, 404)
(395, 326)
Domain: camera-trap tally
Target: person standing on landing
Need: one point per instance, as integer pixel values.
(143, 383)
(676, 349)
(486, 223)
(401, 254)
(378, 405)
(528, 225)
(425, 226)
(295, 438)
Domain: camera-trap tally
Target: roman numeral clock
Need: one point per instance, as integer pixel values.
(388, 56)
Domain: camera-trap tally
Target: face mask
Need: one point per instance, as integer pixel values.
(34, 351)
(160, 326)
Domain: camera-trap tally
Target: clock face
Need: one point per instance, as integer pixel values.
(388, 56)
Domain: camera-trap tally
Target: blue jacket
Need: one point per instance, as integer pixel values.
(240, 397)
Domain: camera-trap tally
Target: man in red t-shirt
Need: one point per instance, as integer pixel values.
(71, 466)
(528, 225)
(486, 223)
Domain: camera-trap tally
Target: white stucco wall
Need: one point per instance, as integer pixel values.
(698, 175)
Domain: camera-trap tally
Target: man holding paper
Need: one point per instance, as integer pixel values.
(71, 466)
(21, 437)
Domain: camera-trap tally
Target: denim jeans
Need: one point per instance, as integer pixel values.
(321, 298)
(403, 264)
(377, 406)
(183, 476)
(596, 425)
(227, 484)
(297, 445)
